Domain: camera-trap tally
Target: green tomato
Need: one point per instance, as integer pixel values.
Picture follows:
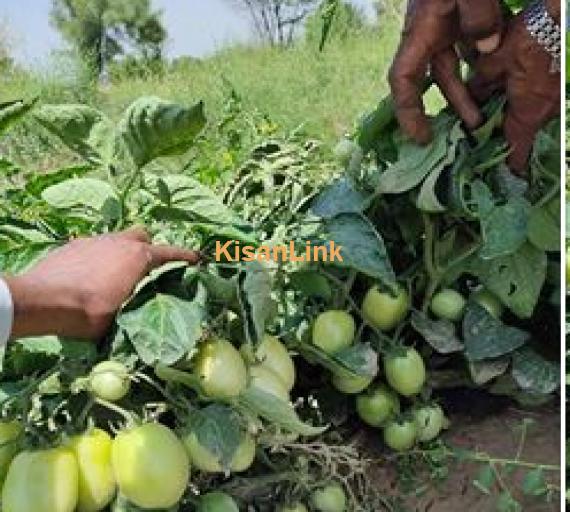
(204, 460)
(221, 369)
(401, 435)
(406, 372)
(261, 377)
(350, 384)
(489, 301)
(448, 305)
(295, 507)
(42, 481)
(333, 330)
(217, 502)
(272, 354)
(10, 431)
(377, 406)
(329, 499)
(97, 485)
(383, 310)
(429, 422)
(151, 466)
(110, 380)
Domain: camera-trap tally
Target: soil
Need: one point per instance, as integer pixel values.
(497, 434)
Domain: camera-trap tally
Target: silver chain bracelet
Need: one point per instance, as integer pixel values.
(545, 31)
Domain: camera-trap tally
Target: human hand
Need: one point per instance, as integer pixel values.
(523, 68)
(432, 29)
(77, 289)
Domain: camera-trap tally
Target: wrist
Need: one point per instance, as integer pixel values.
(553, 8)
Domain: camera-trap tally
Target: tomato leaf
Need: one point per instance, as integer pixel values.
(440, 334)
(415, 162)
(339, 197)
(89, 193)
(83, 129)
(363, 248)
(12, 111)
(485, 479)
(276, 411)
(517, 279)
(534, 483)
(486, 337)
(218, 429)
(256, 283)
(359, 359)
(544, 226)
(165, 328)
(533, 373)
(151, 128)
(485, 371)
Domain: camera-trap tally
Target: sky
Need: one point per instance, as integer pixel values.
(195, 27)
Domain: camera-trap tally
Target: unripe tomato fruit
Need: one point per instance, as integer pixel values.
(204, 460)
(377, 405)
(97, 485)
(406, 372)
(221, 369)
(151, 466)
(400, 436)
(217, 502)
(41, 481)
(295, 507)
(383, 310)
(110, 380)
(351, 384)
(9, 433)
(272, 354)
(333, 330)
(265, 379)
(329, 499)
(489, 301)
(429, 422)
(448, 304)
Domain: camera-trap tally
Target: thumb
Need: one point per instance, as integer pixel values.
(481, 21)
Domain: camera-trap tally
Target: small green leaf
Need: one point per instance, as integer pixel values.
(79, 192)
(340, 197)
(218, 429)
(359, 359)
(544, 226)
(12, 111)
(277, 412)
(311, 284)
(535, 374)
(440, 334)
(165, 328)
(363, 248)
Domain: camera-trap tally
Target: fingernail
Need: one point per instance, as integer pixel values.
(489, 44)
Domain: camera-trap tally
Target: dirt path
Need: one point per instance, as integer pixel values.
(497, 435)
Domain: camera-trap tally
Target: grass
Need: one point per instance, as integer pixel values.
(323, 92)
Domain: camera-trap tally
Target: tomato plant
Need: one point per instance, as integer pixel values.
(151, 466)
(377, 405)
(405, 371)
(205, 351)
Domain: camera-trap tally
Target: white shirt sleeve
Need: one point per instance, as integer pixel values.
(6, 313)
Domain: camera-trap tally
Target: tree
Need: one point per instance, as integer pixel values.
(347, 20)
(276, 21)
(103, 29)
